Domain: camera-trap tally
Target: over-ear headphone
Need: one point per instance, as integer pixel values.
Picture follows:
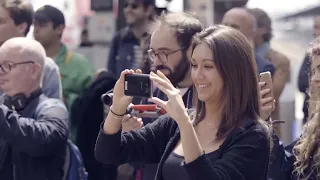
(20, 101)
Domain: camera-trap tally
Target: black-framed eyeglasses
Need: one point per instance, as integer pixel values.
(162, 56)
(7, 67)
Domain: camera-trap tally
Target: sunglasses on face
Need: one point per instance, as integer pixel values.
(131, 5)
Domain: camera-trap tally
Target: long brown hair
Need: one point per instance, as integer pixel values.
(234, 60)
(306, 150)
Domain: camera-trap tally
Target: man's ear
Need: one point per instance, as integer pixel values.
(59, 29)
(22, 28)
(36, 70)
(261, 31)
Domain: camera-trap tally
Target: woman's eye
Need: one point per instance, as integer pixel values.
(193, 65)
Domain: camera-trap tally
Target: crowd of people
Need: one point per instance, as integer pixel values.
(220, 118)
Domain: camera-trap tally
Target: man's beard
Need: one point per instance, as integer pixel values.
(179, 72)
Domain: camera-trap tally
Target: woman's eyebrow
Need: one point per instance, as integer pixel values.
(193, 60)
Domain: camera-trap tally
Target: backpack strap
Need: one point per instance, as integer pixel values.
(68, 57)
(67, 162)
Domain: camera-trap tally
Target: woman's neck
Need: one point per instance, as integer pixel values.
(213, 113)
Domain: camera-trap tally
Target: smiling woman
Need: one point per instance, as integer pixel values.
(224, 139)
(231, 71)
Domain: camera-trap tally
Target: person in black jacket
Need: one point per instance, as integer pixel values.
(89, 118)
(33, 132)
(224, 138)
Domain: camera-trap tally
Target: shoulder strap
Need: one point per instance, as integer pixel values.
(68, 57)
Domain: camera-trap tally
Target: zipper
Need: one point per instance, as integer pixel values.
(14, 171)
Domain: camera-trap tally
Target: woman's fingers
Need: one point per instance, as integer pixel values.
(261, 84)
(160, 74)
(162, 88)
(158, 102)
(123, 73)
(158, 80)
(264, 92)
(266, 100)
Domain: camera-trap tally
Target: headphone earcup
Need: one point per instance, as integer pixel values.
(8, 102)
(19, 101)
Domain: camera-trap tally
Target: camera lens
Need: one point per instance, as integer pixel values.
(107, 99)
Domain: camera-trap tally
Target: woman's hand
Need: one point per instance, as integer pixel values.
(131, 123)
(121, 101)
(174, 106)
(266, 109)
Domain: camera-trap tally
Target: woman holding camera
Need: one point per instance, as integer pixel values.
(223, 139)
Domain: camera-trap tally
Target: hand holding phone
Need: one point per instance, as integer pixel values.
(120, 101)
(267, 102)
(138, 85)
(267, 79)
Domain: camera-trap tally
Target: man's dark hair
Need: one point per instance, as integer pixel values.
(263, 21)
(185, 25)
(147, 3)
(20, 11)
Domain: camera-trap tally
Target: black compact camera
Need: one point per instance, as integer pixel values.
(138, 85)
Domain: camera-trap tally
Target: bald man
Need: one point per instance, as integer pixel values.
(33, 128)
(242, 20)
(17, 17)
